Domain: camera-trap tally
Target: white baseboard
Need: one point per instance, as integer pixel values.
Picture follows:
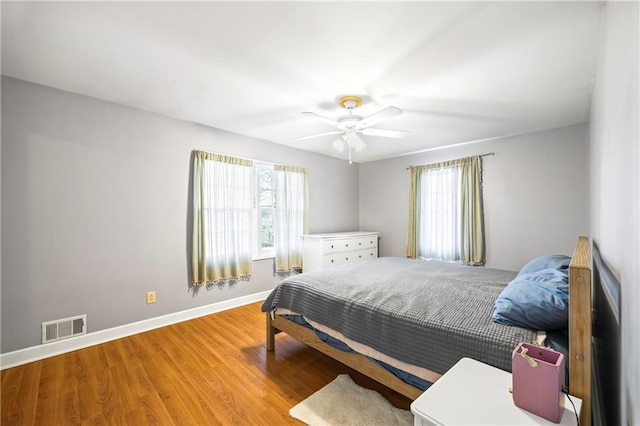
(35, 353)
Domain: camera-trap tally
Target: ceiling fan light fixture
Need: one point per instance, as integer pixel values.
(360, 146)
(353, 140)
(351, 137)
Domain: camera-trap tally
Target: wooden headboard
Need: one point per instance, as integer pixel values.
(580, 330)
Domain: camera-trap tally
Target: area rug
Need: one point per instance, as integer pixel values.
(344, 403)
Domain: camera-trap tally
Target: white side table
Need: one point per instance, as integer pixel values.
(473, 393)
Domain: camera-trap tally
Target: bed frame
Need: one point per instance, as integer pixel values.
(579, 339)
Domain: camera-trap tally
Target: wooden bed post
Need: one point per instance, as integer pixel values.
(580, 328)
(271, 333)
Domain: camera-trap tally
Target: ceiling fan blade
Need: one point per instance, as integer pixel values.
(377, 117)
(321, 118)
(385, 133)
(335, 132)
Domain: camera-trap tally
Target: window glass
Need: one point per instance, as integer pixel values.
(265, 212)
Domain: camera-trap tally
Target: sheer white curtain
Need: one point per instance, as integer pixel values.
(290, 184)
(223, 189)
(439, 218)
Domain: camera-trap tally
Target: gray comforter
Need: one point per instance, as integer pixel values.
(429, 314)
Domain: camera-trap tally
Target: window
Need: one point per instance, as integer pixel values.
(445, 213)
(243, 211)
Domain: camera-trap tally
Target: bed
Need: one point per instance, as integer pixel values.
(421, 334)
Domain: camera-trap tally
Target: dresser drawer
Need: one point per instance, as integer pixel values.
(351, 244)
(333, 246)
(348, 257)
(365, 243)
(335, 259)
(365, 254)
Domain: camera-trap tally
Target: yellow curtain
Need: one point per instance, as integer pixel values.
(412, 231)
(472, 246)
(471, 243)
(222, 218)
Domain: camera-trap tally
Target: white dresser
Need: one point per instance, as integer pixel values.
(323, 250)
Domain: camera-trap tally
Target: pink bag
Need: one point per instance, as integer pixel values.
(538, 379)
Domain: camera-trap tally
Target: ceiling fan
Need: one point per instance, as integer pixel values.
(351, 125)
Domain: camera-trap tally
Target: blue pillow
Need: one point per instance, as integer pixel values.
(553, 261)
(537, 300)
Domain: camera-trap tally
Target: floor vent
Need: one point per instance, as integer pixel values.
(63, 328)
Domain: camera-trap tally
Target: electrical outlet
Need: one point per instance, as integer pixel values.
(151, 297)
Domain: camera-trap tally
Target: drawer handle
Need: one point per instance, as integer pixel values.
(346, 245)
(331, 260)
(346, 258)
(359, 244)
(359, 256)
(332, 246)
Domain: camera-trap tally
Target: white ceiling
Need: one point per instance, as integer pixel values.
(461, 72)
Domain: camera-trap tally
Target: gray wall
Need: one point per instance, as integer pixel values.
(615, 180)
(94, 210)
(535, 194)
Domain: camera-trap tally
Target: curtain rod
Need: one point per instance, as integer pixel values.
(481, 155)
(259, 162)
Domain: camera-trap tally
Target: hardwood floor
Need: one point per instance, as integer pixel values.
(207, 371)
